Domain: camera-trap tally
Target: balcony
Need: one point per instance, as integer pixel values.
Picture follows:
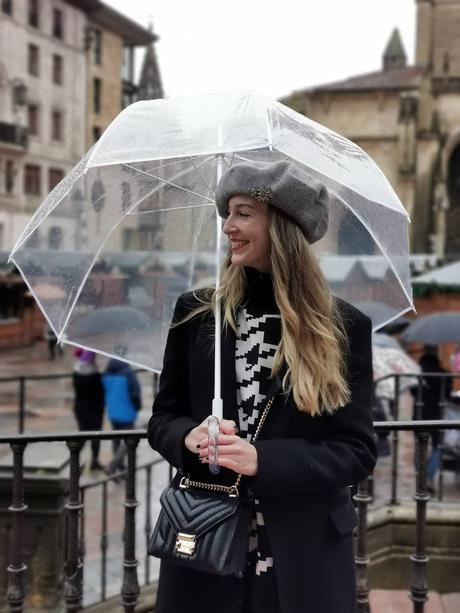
(13, 135)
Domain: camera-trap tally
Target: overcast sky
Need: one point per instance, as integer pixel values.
(274, 46)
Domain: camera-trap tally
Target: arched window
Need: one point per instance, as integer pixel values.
(98, 195)
(125, 196)
(353, 238)
(454, 178)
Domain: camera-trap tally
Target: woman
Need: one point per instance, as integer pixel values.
(284, 336)
(89, 399)
(433, 391)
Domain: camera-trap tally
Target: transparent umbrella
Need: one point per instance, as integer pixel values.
(392, 361)
(134, 225)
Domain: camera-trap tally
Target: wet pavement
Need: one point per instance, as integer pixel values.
(49, 409)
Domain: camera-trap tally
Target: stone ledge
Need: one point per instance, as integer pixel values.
(145, 604)
(437, 513)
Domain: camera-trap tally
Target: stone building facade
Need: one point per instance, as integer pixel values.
(42, 99)
(66, 71)
(408, 119)
(111, 40)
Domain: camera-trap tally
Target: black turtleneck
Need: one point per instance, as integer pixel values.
(260, 297)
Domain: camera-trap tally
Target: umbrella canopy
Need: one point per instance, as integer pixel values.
(390, 361)
(148, 186)
(434, 329)
(377, 311)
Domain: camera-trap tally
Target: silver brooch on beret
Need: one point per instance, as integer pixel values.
(261, 193)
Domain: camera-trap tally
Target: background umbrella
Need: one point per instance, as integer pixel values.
(148, 185)
(434, 329)
(385, 341)
(389, 361)
(113, 329)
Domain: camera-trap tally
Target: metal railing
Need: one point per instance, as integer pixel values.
(22, 384)
(129, 592)
(395, 409)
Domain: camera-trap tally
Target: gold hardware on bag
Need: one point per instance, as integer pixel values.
(185, 543)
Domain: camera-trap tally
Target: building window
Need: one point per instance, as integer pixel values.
(57, 23)
(97, 93)
(32, 180)
(55, 176)
(55, 236)
(127, 69)
(33, 60)
(56, 125)
(7, 6)
(32, 119)
(58, 64)
(97, 46)
(10, 174)
(96, 133)
(34, 14)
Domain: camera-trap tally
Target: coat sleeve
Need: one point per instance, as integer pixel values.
(171, 412)
(344, 453)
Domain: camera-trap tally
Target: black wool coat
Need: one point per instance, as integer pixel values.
(305, 465)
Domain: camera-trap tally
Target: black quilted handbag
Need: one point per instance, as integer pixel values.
(204, 526)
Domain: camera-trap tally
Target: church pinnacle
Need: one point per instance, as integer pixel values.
(394, 55)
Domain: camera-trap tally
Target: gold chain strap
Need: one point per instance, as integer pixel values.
(231, 490)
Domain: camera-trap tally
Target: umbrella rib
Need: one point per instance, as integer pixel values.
(208, 185)
(184, 189)
(201, 227)
(98, 251)
(175, 208)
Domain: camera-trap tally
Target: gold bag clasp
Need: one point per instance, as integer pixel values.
(185, 543)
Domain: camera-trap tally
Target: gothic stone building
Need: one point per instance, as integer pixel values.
(408, 119)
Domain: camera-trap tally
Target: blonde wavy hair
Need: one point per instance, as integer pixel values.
(313, 343)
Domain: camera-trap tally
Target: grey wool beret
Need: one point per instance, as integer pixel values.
(282, 185)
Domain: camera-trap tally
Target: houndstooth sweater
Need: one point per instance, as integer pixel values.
(259, 332)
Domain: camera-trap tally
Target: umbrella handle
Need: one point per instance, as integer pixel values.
(213, 434)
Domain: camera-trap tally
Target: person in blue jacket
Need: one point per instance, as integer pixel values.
(123, 401)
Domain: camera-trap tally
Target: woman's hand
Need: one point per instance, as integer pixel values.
(234, 453)
(195, 437)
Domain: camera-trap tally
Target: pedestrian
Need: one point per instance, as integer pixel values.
(53, 345)
(433, 390)
(89, 399)
(284, 337)
(123, 402)
(455, 360)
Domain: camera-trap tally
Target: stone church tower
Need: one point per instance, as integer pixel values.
(408, 119)
(438, 53)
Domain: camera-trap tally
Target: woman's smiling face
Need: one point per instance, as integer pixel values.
(247, 227)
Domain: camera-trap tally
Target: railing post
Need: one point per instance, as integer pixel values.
(16, 593)
(395, 441)
(130, 585)
(73, 565)
(362, 499)
(22, 404)
(148, 518)
(419, 584)
(442, 411)
(104, 543)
